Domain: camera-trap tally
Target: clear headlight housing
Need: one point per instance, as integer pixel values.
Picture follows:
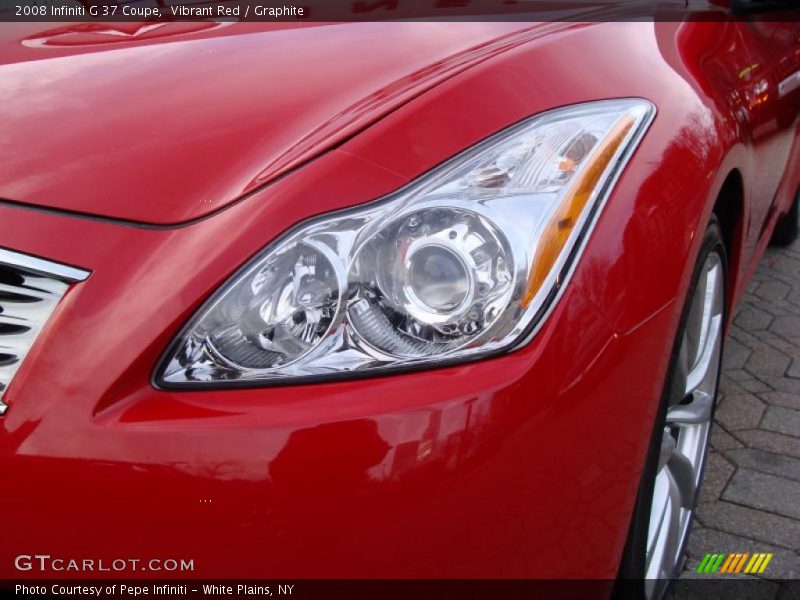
(462, 263)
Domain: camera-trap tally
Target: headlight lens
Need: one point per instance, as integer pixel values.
(429, 282)
(464, 262)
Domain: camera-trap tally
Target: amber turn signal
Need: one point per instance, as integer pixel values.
(562, 223)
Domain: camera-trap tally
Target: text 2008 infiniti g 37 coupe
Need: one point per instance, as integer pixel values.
(377, 299)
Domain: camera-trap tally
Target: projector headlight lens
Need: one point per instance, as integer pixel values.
(438, 278)
(459, 264)
(430, 282)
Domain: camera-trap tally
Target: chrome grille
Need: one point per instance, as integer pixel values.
(30, 289)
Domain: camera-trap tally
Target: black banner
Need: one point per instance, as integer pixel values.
(736, 588)
(156, 11)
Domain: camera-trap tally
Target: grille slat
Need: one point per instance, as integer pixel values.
(10, 293)
(30, 289)
(8, 359)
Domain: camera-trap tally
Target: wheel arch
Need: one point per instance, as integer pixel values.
(730, 212)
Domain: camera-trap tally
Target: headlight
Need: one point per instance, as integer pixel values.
(462, 263)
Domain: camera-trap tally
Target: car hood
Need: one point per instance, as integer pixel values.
(168, 122)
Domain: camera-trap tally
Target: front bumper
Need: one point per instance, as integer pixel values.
(525, 465)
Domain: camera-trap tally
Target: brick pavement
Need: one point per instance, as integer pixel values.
(750, 500)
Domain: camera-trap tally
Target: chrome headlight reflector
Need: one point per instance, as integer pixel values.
(462, 263)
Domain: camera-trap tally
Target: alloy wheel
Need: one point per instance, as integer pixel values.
(684, 438)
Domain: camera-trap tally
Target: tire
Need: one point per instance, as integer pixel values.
(661, 464)
(786, 229)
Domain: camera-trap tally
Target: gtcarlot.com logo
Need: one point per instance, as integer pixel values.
(48, 563)
(735, 562)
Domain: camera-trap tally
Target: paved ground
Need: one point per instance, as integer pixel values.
(750, 500)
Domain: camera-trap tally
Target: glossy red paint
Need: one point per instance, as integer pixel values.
(166, 125)
(525, 465)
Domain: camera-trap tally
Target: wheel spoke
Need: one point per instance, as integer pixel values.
(699, 374)
(659, 523)
(667, 450)
(664, 533)
(681, 375)
(684, 476)
(695, 412)
(695, 330)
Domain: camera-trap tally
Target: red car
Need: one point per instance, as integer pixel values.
(376, 300)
